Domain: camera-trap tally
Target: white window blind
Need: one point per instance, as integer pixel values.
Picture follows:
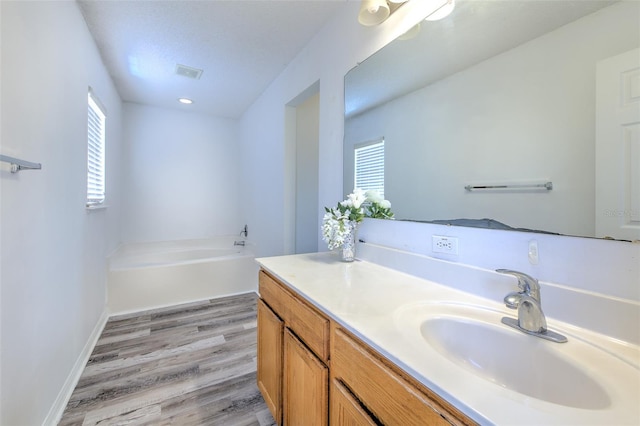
(95, 149)
(369, 166)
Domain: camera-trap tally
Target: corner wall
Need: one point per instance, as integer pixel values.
(182, 171)
(52, 279)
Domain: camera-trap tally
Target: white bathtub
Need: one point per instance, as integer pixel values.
(151, 275)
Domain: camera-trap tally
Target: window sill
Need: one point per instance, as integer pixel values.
(91, 207)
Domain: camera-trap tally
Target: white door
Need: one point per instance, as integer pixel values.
(618, 146)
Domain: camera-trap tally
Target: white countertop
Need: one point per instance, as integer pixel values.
(368, 299)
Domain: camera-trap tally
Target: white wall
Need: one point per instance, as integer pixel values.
(526, 114)
(182, 173)
(53, 249)
(307, 175)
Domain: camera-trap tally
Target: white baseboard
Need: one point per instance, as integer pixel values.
(57, 409)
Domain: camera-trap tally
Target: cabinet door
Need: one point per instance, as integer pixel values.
(306, 385)
(270, 347)
(345, 409)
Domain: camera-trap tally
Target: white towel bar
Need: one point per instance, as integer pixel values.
(17, 164)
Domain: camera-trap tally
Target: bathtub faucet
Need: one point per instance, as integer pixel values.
(245, 231)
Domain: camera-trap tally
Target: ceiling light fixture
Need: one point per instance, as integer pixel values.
(185, 101)
(443, 12)
(373, 12)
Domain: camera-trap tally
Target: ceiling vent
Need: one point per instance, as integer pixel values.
(188, 72)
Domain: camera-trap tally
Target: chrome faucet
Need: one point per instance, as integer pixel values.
(528, 286)
(531, 319)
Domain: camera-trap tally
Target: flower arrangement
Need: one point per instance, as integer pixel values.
(339, 223)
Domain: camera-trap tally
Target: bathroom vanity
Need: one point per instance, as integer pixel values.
(357, 386)
(358, 343)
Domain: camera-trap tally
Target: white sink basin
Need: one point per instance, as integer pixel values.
(572, 374)
(514, 360)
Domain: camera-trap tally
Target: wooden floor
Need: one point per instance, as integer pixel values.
(192, 364)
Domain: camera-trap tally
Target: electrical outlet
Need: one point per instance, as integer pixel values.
(441, 244)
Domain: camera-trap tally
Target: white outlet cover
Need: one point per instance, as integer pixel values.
(533, 252)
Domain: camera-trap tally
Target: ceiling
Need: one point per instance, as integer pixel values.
(241, 46)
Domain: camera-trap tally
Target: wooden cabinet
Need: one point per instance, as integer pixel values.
(292, 355)
(270, 359)
(300, 351)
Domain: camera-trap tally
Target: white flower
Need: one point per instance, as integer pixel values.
(333, 230)
(338, 215)
(338, 222)
(374, 196)
(357, 197)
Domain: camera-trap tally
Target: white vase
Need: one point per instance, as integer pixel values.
(349, 245)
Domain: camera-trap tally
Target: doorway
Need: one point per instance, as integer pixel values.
(302, 144)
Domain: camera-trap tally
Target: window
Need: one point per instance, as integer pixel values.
(95, 152)
(369, 166)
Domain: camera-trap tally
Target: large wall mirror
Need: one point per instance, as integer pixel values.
(500, 97)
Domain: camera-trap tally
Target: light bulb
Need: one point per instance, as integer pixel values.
(373, 12)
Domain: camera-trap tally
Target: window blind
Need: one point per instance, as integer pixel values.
(369, 166)
(95, 152)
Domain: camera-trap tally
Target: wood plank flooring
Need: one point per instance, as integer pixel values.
(192, 364)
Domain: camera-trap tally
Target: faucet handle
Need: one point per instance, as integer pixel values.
(526, 283)
(512, 300)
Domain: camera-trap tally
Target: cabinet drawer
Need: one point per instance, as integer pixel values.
(308, 324)
(393, 400)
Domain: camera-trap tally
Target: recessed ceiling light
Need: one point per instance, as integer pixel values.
(185, 101)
